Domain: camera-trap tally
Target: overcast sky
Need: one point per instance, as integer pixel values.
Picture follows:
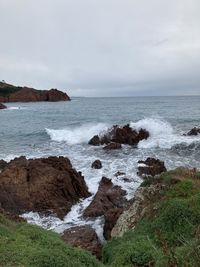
(102, 47)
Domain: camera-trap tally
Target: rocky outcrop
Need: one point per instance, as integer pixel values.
(145, 198)
(10, 93)
(96, 164)
(49, 185)
(194, 131)
(2, 106)
(120, 135)
(109, 199)
(83, 237)
(111, 218)
(150, 167)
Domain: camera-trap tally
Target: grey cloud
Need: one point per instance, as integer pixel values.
(102, 47)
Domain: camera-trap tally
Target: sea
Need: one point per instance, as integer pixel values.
(45, 129)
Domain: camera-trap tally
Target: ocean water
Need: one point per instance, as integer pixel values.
(64, 128)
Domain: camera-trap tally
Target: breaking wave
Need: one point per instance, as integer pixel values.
(162, 134)
(76, 135)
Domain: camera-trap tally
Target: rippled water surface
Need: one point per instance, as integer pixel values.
(64, 128)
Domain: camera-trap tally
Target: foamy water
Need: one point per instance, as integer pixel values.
(46, 129)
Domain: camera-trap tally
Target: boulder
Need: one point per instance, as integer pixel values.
(83, 237)
(2, 106)
(112, 146)
(150, 167)
(97, 164)
(48, 185)
(121, 135)
(94, 141)
(194, 131)
(107, 197)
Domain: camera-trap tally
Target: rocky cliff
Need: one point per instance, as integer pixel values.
(11, 93)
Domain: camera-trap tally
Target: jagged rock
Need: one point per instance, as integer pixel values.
(83, 237)
(111, 218)
(194, 131)
(2, 106)
(145, 198)
(97, 164)
(47, 185)
(151, 167)
(112, 146)
(121, 135)
(3, 164)
(95, 141)
(11, 93)
(107, 197)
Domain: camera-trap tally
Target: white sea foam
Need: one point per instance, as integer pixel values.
(15, 108)
(162, 134)
(77, 135)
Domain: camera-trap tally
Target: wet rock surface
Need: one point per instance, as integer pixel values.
(49, 185)
(83, 237)
(96, 164)
(109, 201)
(3, 164)
(120, 135)
(112, 146)
(150, 167)
(193, 132)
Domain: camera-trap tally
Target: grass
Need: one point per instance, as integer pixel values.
(167, 236)
(170, 236)
(26, 245)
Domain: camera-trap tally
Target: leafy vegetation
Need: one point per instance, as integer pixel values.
(167, 236)
(26, 245)
(6, 89)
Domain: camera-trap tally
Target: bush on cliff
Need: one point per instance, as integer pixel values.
(169, 236)
(26, 245)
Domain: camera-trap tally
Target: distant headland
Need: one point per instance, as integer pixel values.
(11, 93)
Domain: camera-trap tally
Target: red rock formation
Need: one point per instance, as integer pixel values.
(83, 237)
(119, 135)
(42, 185)
(151, 167)
(10, 93)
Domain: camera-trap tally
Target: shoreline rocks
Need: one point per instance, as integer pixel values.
(193, 132)
(83, 237)
(151, 167)
(119, 135)
(108, 200)
(11, 93)
(96, 164)
(47, 185)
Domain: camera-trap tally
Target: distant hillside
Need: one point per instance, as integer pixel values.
(11, 93)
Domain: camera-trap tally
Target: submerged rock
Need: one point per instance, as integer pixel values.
(194, 131)
(49, 185)
(97, 164)
(112, 146)
(120, 135)
(83, 237)
(151, 167)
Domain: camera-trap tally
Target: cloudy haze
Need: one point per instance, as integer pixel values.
(102, 47)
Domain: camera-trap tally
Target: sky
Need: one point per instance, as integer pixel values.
(102, 47)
